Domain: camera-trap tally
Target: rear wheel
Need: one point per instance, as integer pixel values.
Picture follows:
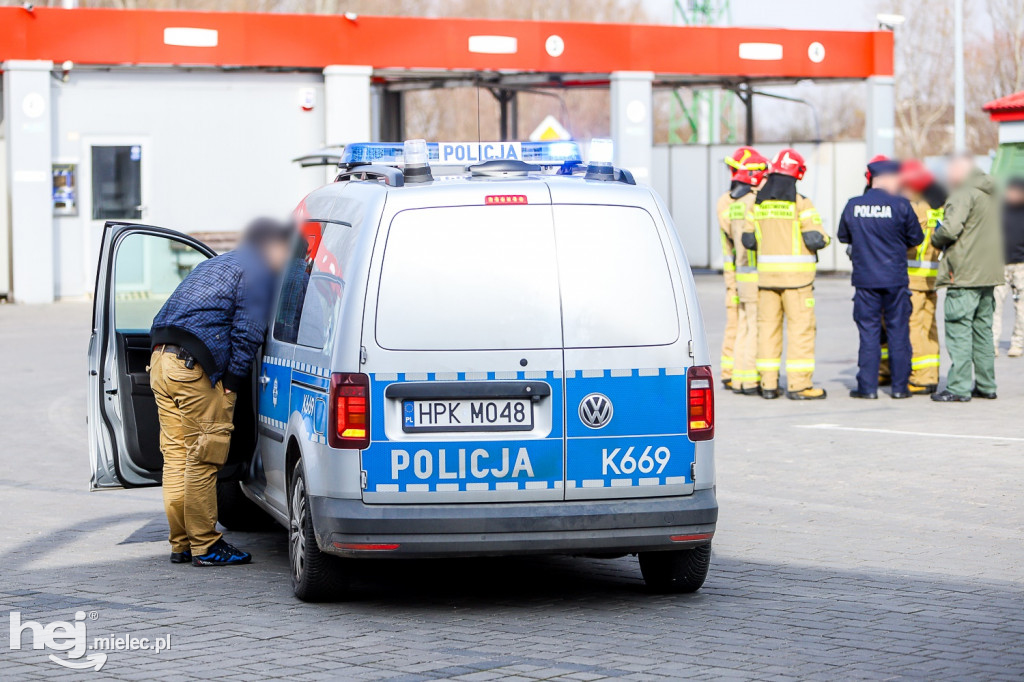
(682, 570)
(237, 512)
(316, 576)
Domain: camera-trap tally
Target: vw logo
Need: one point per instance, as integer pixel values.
(596, 410)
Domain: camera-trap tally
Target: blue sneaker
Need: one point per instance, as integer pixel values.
(181, 557)
(221, 553)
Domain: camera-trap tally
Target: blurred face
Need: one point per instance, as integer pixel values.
(957, 171)
(1015, 195)
(277, 253)
(889, 182)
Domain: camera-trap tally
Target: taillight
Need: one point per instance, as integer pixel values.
(700, 398)
(348, 426)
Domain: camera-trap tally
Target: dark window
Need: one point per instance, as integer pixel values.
(295, 283)
(117, 182)
(326, 285)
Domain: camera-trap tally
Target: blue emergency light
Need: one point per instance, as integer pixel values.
(465, 153)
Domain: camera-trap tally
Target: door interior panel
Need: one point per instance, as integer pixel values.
(142, 430)
(138, 407)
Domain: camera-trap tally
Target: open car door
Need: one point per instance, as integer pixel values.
(139, 268)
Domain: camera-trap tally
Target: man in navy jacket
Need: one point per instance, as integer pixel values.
(880, 226)
(204, 340)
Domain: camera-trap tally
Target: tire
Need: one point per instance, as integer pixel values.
(676, 571)
(316, 576)
(237, 512)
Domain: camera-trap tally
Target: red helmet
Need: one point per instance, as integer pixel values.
(915, 176)
(789, 162)
(312, 232)
(748, 166)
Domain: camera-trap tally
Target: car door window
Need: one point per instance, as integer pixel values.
(147, 270)
(326, 285)
(295, 282)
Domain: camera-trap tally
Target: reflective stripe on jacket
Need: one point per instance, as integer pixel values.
(923, 260)
(783, 260)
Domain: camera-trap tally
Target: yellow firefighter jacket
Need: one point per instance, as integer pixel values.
(923, 260)
(740, 265)
(783, 259)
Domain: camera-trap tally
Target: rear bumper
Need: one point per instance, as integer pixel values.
(571, 527)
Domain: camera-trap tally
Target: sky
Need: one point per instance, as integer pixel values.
(822, 14)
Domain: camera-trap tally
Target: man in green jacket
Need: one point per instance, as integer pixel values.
(970, 269)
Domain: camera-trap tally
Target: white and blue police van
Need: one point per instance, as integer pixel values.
(479, 349)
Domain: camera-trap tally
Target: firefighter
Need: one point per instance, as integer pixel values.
(785, 230)
(880, 226)
(739, 344)
(739, 340)
(927, 197)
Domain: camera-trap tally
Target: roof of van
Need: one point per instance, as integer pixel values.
(534, 188)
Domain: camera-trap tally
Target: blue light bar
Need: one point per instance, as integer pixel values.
(466, 153)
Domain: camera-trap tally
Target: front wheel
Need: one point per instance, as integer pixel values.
(316, 576)
(676, 571)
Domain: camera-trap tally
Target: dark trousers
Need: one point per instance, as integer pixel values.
(870, 307)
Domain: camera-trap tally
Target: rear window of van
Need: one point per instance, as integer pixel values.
(521, 277)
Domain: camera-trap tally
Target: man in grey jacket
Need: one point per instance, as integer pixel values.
(970, 269)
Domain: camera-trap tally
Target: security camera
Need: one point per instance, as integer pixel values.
(28, 6)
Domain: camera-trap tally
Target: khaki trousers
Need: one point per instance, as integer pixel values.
(195, 436)
(729, 337)
(1014, 278)
(796, 307)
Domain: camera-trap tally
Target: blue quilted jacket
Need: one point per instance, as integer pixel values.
(219, 314)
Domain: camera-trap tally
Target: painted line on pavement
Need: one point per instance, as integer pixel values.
(837, 427)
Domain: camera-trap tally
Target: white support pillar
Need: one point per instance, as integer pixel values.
(633, 122)
(27, 129)
(347, 104)
(880, 116)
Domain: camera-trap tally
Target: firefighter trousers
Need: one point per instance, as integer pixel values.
(744, 372)
(729, 337)
(796, 307)
(924, 341)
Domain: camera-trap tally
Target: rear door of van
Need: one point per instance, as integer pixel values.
(627, 351)
(463, 346)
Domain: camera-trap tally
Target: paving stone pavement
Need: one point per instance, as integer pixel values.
(840, 554)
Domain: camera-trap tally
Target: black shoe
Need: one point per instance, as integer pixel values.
(900, 395)
(864, 395)
(978, 393)
(927, 389)
(750, 390)
(770, 393)
(181, 557)
(221, 553)
(807, 394)
(727, 384)
(947, 397)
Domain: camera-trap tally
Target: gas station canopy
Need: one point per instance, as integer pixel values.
(405, 51)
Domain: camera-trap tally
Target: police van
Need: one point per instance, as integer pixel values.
(500, 358)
